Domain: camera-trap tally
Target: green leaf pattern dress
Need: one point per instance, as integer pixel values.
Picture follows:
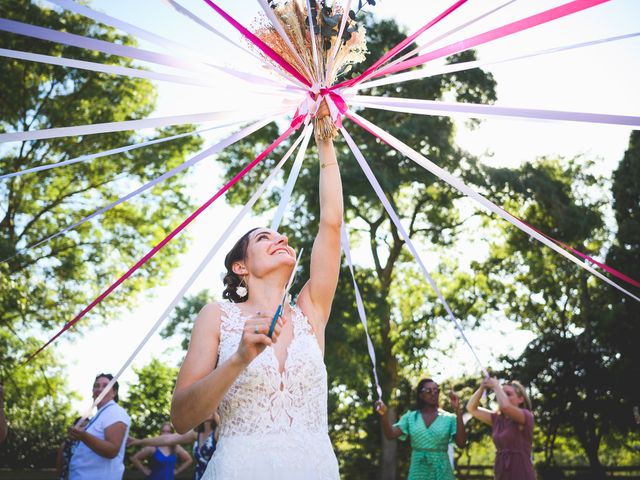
(429, 445)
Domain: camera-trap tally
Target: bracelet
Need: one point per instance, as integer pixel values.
(323, 165)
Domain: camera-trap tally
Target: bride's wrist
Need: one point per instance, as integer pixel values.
(238, 360)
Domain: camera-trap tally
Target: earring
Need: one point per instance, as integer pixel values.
(241, 290)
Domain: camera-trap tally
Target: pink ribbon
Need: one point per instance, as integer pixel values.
(266, 49)
(401, 46)
(606, 268)
(511, 28)
(166, 240)
(337, 106)
(471, 193)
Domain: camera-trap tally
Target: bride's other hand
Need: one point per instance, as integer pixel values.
(255, 336)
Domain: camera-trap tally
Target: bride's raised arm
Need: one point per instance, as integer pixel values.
(317, 295)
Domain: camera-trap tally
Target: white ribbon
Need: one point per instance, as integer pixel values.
(396, 221)
(291, 181)
(186, 13)
(449, 33)
(314, 49)
(258, 193)
(200, 156)
(105, 68)
(283, 34)
(435, 107)
(113, 151)
(226, 116)
(158, 40)
(80, 41)
(468, 191)
(328, 80)
(360, 305)
(429, 71)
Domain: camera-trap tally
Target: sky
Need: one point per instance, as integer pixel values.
(600, 79)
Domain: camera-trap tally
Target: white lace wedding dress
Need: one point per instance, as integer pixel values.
(273, 425)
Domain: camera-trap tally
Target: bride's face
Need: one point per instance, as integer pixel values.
(267, 251)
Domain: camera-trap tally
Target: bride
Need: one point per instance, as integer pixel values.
(271, 393)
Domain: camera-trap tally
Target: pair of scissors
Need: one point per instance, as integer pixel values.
(284, 297)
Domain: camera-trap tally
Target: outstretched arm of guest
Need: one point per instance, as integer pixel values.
(391, 432)
(506, 407)
(474, 408)
(168, 440)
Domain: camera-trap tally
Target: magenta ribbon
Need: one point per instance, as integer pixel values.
(266, 49)
(606, 268)
(509, 29)
(401, 46)
(337, 99)
(166, 240)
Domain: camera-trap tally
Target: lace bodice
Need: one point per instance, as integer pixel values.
(264, 401)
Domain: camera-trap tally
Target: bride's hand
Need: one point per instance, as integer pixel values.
(254, 336)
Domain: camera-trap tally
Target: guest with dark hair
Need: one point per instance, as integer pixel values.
(511, 428)
(164, 462)
(430, 430)
(98, 449)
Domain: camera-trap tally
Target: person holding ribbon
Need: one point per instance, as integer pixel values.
(265, 372)
(203, 437)
(98, 448)
(430, 430)
(511, 428)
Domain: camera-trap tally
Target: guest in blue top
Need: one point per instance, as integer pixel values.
(98, 449)
(204, 438)
(163, 459)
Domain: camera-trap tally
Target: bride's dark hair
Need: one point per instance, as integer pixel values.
(232, 280)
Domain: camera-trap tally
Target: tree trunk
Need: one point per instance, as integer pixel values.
(597, 472)
(389, 382)
(389, 449)
(591, 444)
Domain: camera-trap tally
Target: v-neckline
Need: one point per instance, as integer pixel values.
(432, 422)
(282, 368)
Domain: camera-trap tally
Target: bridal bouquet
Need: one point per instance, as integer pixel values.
(319, 40)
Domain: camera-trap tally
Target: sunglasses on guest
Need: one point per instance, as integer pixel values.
(430, 390)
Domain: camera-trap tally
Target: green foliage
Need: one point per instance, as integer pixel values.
(580, 364)
(37, 405)
(620, 329)
(181, 321)
(148, 400)
(46, 285)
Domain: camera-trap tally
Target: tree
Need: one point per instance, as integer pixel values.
(37, 403)
(44, 285)
(620, 328)
(181, 320)
(148, 400)
(572, 369)
(401, 321)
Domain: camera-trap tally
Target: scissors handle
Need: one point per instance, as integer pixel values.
(275, 319)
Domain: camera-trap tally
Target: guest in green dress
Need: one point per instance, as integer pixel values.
(430, 430)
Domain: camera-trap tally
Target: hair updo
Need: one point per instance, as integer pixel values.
(233, 280)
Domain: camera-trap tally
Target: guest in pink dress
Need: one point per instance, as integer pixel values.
(511, 428)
